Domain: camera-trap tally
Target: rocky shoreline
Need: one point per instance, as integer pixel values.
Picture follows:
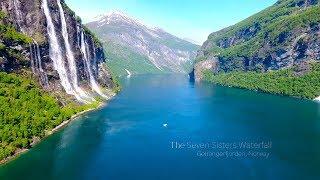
(54, 130)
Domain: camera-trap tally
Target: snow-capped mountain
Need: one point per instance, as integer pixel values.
(140, 48)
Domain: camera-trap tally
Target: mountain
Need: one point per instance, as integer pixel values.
(284, 37)
(51, 67)
(64, 55)
(132, 46)
(191, 40)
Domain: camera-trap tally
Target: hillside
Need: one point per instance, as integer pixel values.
(51, 68)
(279, 37)
(275, 38)
(131, 45)
(28, 113)
(283, 82)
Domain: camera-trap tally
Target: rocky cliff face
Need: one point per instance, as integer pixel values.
(64, 56)
(278, 37)
(138, 45)
(199, 68)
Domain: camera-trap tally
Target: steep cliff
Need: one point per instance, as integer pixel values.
(276, 38)
(63, 55)
(51, 68)
(276, 50)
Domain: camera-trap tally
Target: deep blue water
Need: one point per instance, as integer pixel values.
(127, 139)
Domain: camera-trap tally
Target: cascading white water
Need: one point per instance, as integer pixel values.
(18, 14)
(36, 64)
(33, 66)
(70, 55)
(56, 54)
(78, 35)
(42, 73)
(86, 56)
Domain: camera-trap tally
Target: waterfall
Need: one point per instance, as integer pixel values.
(86, 56)
(17, 11)
(36, 64)
(56, 54)
(70, 55)
(42, 73)
(33, 66)
(78, 35)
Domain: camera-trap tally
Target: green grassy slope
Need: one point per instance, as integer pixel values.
(120, 58)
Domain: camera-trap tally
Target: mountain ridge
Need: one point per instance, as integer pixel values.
(150, 45)
(284, 37)
(260, 41)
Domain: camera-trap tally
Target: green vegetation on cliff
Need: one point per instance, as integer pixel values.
(285, 28)
(9, 34)
(272, 32)
(283, 82)
(270, 25)
(27, 112)
(10, 37)
(258, 53)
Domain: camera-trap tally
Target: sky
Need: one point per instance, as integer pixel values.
(187, 19)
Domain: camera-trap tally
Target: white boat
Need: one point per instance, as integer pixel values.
(128, 72)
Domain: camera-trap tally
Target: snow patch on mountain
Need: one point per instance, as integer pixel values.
(165, 51)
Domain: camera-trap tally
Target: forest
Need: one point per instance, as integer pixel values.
(284, 82)
(27, 112)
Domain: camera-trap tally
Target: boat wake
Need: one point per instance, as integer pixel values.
(129, 73)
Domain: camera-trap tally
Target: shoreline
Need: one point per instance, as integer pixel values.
(317, 99)
(61, 126)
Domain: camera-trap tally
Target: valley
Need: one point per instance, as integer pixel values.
(113, 97)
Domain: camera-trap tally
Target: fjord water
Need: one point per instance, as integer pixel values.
(127, 140)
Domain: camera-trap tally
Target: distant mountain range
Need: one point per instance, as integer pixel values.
(132, 47)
